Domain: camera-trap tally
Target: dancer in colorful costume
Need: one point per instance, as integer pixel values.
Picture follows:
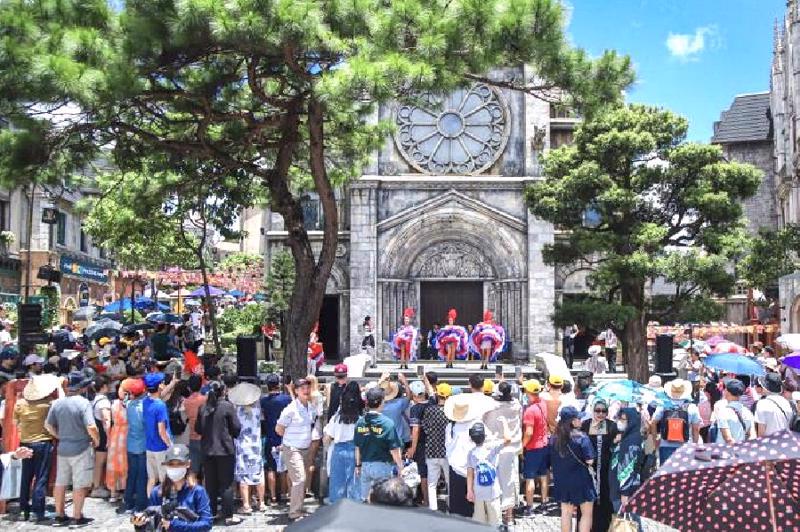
(452, 340)
(488, 339)
(404, 343)
(316, 354)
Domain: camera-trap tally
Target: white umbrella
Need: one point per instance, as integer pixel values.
(160, 294)
(791, 341)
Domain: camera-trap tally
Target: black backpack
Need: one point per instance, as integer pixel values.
(176, 423)
(678, 415)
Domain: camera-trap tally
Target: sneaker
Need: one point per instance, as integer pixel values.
(233, 520)
(47, 516)
(61, 520)
(100, 493)
(80, 523)
(122, 510)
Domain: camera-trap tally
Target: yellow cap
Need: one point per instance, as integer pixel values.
(488, 386)
(104, 340)
(556, 380)
(443, 390)
(532, 386)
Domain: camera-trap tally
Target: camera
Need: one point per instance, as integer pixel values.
(167, 511)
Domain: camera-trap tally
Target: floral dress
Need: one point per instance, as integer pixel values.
(249, 468)
(117, 462)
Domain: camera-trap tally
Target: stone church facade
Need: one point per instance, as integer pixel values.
(438, 219)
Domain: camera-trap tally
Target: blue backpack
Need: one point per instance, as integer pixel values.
(486, 473)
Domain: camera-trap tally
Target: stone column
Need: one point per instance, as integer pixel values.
(541, 288)
(363, 258)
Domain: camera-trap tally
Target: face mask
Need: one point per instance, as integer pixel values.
(622, 425)
(176, 473)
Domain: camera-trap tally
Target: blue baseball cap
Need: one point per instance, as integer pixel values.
(153, 380)
(569, 412)
(7, 353)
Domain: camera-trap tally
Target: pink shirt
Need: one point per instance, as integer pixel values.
(192, 406)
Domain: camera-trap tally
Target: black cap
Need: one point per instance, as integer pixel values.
(374, 397)
(477, 432)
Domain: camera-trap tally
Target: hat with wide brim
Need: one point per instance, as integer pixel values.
(468, 406)
(684, 386)
(40, 386)
(244, 394)
(390, 390)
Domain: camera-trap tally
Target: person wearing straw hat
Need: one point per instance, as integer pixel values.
(30, 413)
(249, 470)
(463, 411)
(677, 424)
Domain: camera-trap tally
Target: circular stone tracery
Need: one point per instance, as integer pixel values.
(462, 133)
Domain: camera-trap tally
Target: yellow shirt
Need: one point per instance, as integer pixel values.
(29, 417)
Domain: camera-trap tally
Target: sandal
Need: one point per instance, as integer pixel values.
(246, 511)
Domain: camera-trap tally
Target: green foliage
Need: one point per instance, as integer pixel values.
(241, 260)
(771, 256)
(50, 306)
(592, 312)
(667, 209)
(247, 320)
(280, 283)
(661, 209)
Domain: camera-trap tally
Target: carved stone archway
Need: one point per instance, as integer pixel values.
(452, 260)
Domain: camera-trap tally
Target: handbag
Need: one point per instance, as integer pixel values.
(12, 478)
(623, 523)
(589, 468)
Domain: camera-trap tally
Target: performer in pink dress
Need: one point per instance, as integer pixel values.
(488, 339)
(404, 343)
(452, 340)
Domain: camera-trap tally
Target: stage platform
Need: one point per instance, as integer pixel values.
(459, 374)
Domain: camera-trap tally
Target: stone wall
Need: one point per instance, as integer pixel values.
(789, 289)
(760, 210)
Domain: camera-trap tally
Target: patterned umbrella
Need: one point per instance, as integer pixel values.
(727, 347)
(753, 485)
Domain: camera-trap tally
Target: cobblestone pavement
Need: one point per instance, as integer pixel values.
(274, 519)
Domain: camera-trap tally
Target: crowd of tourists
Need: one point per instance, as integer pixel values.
(117, 422)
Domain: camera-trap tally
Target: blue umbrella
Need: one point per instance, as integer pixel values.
(161, 317)
(733, 363)
(632, 392)
(236, 293)
(201, 292)
(118, 305)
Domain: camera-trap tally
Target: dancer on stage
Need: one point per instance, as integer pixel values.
(404, 343)
(488, 339)
(452, 340)
(316, 354)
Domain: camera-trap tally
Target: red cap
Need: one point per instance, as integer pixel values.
(134, 386)
(340, 369)
(487, 315)
(452, 314)
(408, 313)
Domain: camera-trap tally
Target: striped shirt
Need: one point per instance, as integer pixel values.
(301, 424)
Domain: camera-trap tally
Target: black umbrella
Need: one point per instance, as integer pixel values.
(128, 329)
(102, 328)
(347, 515)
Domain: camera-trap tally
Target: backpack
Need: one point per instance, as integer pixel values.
(794, 419)
(674, 424)
(176, 423)
(485, 473)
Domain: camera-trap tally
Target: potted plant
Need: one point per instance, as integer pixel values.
(6, 239)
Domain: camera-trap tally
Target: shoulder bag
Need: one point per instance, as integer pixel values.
(589, 468)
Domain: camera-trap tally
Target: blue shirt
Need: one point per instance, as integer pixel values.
(271, 407)
(396, 411)
(195, 499)
(155, 411)
(136, 438)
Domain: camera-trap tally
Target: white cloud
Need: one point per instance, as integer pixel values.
(687, 46)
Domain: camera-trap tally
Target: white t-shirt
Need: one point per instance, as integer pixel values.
(301, 424)
(340, 432)
(458, 444)
(609, 338)
(98, 404)
(115, 370)
(774, 412)
(5, 337)
(726, 418)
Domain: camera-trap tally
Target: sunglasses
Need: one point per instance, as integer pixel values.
(601, 411)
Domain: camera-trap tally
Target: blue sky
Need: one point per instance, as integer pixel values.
(691, 56)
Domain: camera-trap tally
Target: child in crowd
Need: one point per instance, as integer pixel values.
(483, 486)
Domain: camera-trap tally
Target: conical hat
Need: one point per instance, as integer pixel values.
(40, 386)
(244, 394)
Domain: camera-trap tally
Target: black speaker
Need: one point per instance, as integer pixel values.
(664, 353)
(48, 273)
(246, 359)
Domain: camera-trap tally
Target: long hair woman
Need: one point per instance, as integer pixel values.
(218, 427)
(340, 430)
(101, 409)
(572, 459)
(601, 432)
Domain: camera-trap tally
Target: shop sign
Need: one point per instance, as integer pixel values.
(83, 269)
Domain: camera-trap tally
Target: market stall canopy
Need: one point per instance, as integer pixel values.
(201, 292)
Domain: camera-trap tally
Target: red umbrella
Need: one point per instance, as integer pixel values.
(750, 486)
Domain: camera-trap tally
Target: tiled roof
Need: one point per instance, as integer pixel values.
(747, 120)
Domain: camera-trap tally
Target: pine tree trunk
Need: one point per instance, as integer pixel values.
(212, 314)
(634, 337)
